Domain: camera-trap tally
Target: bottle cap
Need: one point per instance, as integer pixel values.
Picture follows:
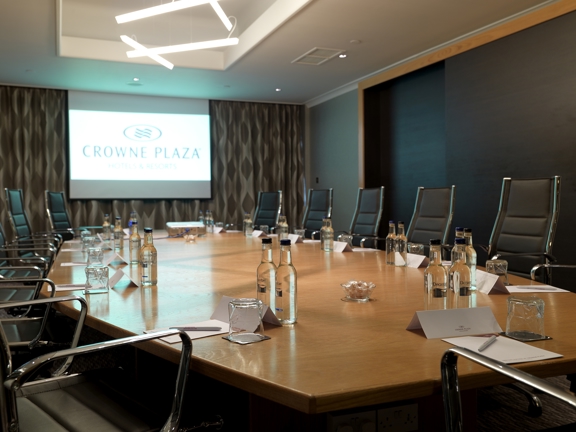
(267, 240)
(390, 222)
(400, 222)
(106, 215)
(148, 230)
(435, 242)
(467, 230)
(118, 218)
(459, 229)
(285, 242)
(134, 222)
(459, 241)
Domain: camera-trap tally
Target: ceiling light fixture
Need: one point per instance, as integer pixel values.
(161, 9)
(342, 56)
(183, 47)
(145, 51)
(220, 12)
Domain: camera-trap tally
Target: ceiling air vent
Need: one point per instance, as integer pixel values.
(317, 56)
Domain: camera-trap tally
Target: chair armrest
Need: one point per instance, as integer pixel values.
(50, 301)
(539, 266)
(17, 378)
(40, 281)
(450, 387)
(548, 256)
(29, 247)
(32, 268)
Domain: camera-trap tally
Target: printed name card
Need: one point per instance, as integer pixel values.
(218, 230)
(489, 283)
(455, 322)
(295, 238)
(342, 247)
(119, 274)
(114, 258)
(258, 233)
(417, 261)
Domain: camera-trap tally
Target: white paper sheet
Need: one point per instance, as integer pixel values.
(71, 264)
(70, 287)
(195, 334)
(504, 349)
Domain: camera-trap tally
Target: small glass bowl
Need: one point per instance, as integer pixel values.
(357, 291)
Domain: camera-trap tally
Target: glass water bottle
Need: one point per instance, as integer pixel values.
(282, 228)
(266, 275)
(327, 235)
(248, 226)
(459, 275)
(391, 243)
(148, 260)
(401, 247)
(471, 257)
(459, 234)
(435, 279)
(285, 304)
(106, 228)
(135, 243)
(118, 234)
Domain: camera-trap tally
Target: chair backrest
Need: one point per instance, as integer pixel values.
(268, 208)
(319, 206)
(432, 216)
(57, 210)
(526, 221)
(18, 218)
(369, 208)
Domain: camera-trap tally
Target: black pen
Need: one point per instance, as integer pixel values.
(197, 328)
(486, 344)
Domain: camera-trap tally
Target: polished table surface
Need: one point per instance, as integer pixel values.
(338, 355)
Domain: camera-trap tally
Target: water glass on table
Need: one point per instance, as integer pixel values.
(97, 279)
(245, 318)
(525, 321)
(498, 267)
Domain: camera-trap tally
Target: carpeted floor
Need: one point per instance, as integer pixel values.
(503, 409)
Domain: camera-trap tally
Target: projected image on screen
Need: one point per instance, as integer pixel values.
(137, 155)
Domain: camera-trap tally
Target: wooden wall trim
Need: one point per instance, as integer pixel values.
(523, 22)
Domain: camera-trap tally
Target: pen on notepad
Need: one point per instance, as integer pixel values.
(197, 328)
(486, 344)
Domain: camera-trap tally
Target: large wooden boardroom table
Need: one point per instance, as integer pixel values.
(339, 355)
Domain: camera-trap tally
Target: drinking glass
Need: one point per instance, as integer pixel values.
(245, 317)
(498, 267)
(265, 229)
(300, 231)
(95, 256)
(346, 238)
(88, 242)
(97, 278)
(525, 320)
(416, 248)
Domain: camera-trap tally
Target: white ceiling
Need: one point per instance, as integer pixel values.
(272, 34)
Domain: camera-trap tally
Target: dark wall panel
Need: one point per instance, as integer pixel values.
(511, 112)
(406, 143)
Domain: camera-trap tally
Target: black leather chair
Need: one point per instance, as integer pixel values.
(524, 230)
(433, 212)
(319, 206)
(367, 217)
(451, 388)
(268, 209)
(23, 259)
(21, 224)
(59, 217)
(87, 402)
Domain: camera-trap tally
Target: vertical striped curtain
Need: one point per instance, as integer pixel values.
(254, 147)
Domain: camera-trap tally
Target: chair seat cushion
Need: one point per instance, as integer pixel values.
(92, 402)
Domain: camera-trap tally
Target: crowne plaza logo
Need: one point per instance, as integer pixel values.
(142, 133)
